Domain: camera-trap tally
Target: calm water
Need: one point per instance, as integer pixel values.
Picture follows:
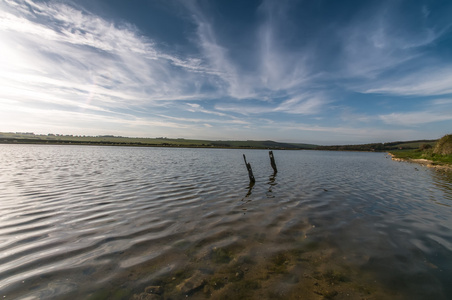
(151, 223)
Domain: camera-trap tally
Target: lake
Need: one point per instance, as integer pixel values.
(87, 222)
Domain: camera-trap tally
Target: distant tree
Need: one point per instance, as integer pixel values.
(425, 147)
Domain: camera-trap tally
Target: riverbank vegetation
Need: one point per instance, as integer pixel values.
(439, 154)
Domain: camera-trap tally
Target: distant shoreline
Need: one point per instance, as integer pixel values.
(110, 140)
(141, 144)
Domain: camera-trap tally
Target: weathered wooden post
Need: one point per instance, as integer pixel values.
(272, 162)
(250, 171)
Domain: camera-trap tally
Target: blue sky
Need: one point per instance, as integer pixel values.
(323, 72)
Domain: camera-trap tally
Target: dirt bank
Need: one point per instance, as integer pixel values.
(424, 162)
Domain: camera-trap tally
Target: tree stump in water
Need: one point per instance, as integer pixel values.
(272, 162)
(250, 171)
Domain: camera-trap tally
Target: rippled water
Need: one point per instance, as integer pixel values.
(84, 222)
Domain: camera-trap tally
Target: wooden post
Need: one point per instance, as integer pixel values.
(250, 171)
(272, 162)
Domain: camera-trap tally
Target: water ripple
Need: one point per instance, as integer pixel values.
(77, 221)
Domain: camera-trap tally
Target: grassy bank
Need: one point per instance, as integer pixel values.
(438, 154)
(423, 154)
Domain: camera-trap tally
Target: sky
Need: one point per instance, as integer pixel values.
(321, 72)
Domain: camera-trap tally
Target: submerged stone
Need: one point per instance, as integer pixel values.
(194, 283)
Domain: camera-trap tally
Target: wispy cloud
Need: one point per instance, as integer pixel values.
(232, 83)
(281, 67)
(274, 69)
(425, 82)
(194, 120)
(244, 108)
(303, 104)
(18, 118)
(59, 47)
(195, 107)
(387, 51)
(443, 101)
(432, 111)
(416, 118)
(338, 134)
(306, 104)
(381, 37)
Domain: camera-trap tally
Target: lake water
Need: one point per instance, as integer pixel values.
(81, 222)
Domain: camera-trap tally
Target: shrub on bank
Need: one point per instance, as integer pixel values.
(444, 145)
(425, 147)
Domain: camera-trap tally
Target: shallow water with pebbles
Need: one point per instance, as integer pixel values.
(87, 222)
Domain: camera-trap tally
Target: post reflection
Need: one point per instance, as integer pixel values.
(249, 192)
(269, 193)
(271, 182)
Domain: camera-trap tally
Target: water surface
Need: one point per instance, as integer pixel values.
(86, 222)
